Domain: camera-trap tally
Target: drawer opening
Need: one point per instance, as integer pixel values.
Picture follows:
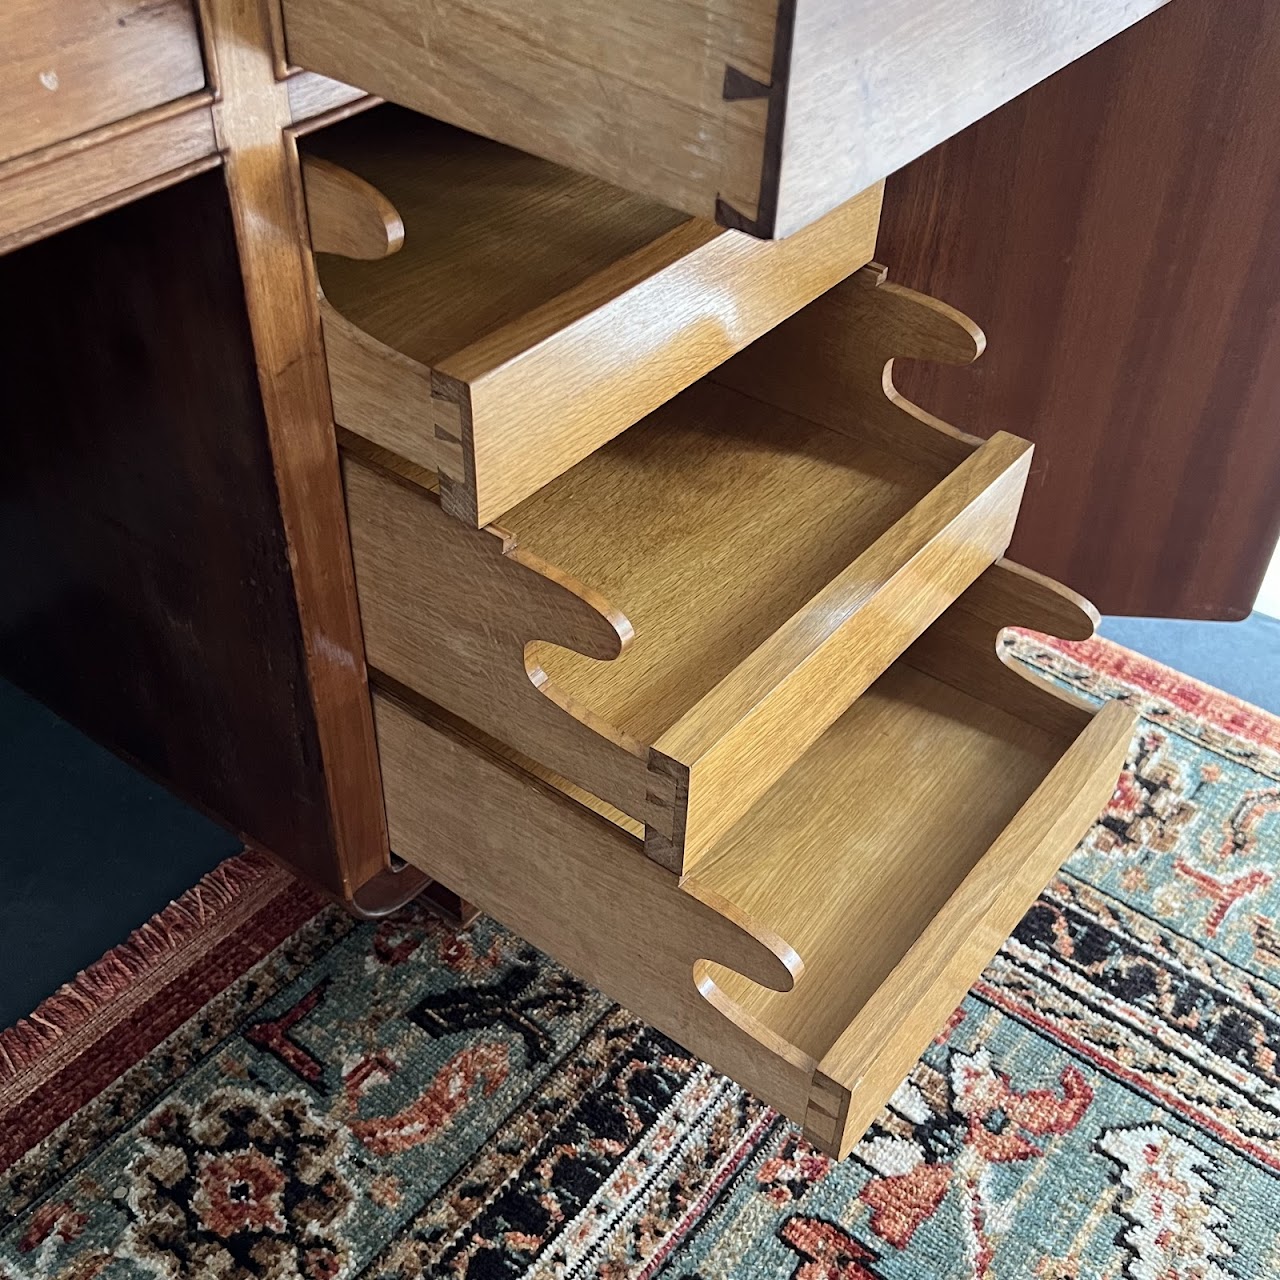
(722, 581)
(524, 314)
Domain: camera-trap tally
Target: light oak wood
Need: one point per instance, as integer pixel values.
(577, 886)
(895, 858)
(265, 188)
(549, 310)
(377, 392)
(672, 622)
(764, 115)
(809, 367)
(448, 611)
(646, 87)
(828, 867)
(78, 65)
(347, 215)
(956, 649)
(739, 738)
(872, 86)
(311, 95)
(48, 190)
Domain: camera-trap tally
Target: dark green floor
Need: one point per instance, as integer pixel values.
(91, 850)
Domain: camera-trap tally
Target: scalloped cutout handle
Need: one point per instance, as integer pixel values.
(348, 216)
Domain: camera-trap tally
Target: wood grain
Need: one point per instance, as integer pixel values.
(743, 735)
(1118, 230)
(873, 86)
(265, 188)
(72, 67)
(622, 343)
(448, 611)
(761, 114)
(346, 215)
(378, 393)
(872, 1054)
(653, 524)
(492, 233)
(915, 775)
(49, 190)
(958, 647)
(544, 866)
(673, 621)
(552, 310)
(631, 94)
(815, 367)
(311, 95)
(835, 861)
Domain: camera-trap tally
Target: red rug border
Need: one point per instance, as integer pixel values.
(1223, 710)
(50, 1063)
(147, 948)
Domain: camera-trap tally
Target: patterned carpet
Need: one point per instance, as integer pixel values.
(257, 1086)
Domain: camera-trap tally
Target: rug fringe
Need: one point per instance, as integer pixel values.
(148, 947)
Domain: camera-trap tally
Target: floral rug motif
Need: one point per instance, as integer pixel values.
(257, 1086)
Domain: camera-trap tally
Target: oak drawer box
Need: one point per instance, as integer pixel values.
(787, 805)
(72, 66)
(527, 314)
(674, 620)
(814, 955)
(762, 114)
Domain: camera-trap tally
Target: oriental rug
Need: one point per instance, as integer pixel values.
(255, 1085)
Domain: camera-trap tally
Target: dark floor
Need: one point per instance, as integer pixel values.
(92, 849)
(1241, 657)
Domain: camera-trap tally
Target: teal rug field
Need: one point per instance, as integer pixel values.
(256, 1085)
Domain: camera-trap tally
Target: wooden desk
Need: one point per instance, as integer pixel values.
(182, 579)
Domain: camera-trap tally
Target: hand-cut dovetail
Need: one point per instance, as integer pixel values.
(821, 885)
(794, 757)
(772, 565)
(739, 85)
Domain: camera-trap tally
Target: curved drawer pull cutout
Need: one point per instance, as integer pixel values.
(347, 215)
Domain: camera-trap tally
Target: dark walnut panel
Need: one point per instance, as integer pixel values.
(1116, 230)
(145, 591)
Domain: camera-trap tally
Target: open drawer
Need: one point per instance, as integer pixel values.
(528, 314)
(822, 943)
(764, 114)
(672, 622)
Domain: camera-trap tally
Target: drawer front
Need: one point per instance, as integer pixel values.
(761, 114)
(69, 67)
